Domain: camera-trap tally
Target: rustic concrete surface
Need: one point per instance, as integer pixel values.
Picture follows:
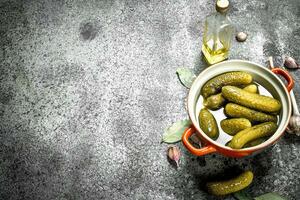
(87, 88)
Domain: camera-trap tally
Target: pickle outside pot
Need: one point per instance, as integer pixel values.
(262, 75)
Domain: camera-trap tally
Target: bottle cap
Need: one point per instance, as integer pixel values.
(222, 6)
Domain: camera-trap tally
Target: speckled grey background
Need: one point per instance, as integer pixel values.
(87, 88)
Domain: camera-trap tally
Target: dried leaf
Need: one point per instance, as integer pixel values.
(174, 154)
(174, 133)
(186, 76)
(270, 196)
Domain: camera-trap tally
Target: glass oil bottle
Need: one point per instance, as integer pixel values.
(218, 32)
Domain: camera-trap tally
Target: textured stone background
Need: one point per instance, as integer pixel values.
(87, 87)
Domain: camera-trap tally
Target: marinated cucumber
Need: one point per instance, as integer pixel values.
(251, 88)
(235, 110)
(215, 84)
(235, 125)
(227, 144)
(251, 100)
(251, 143)
(220, 188)
(208, 124)
(249, 134)
(216, 101)
(255, 142)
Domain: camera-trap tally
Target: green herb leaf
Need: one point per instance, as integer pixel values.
(186, 76)
(242, 195)
(270, 196)
(174, 133)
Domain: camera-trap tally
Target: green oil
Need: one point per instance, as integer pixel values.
(214, 52)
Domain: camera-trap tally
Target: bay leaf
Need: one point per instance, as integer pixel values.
(186, 76)
(242, 195)
(270, 196)
(174, 133)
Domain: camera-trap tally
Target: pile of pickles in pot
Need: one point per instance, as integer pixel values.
(251, 117)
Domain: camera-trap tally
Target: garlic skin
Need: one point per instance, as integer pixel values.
(174, 154)
(294, 125)
(291, 63)
(196, 140)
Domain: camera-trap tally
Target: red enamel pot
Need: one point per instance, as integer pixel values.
(265, 77)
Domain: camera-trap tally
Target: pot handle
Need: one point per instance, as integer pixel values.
(286, 75)
(198, 152)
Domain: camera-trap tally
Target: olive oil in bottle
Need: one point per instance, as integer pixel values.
(218, 32)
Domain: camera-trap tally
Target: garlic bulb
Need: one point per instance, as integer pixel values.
(294, 125)
(291, 63)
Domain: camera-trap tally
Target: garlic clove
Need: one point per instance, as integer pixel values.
(173, 154)
(291, 63)
(241, 36)
(294, 125)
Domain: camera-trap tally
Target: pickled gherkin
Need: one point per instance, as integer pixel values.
(216, 101)
(251, 100)
(251, 88)
(208, 124)
(227, 144)
(234, 125)
(255, 142)
(253, 133)
(220, 188)
(252, 143)
(214, 85)
(235, 110)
